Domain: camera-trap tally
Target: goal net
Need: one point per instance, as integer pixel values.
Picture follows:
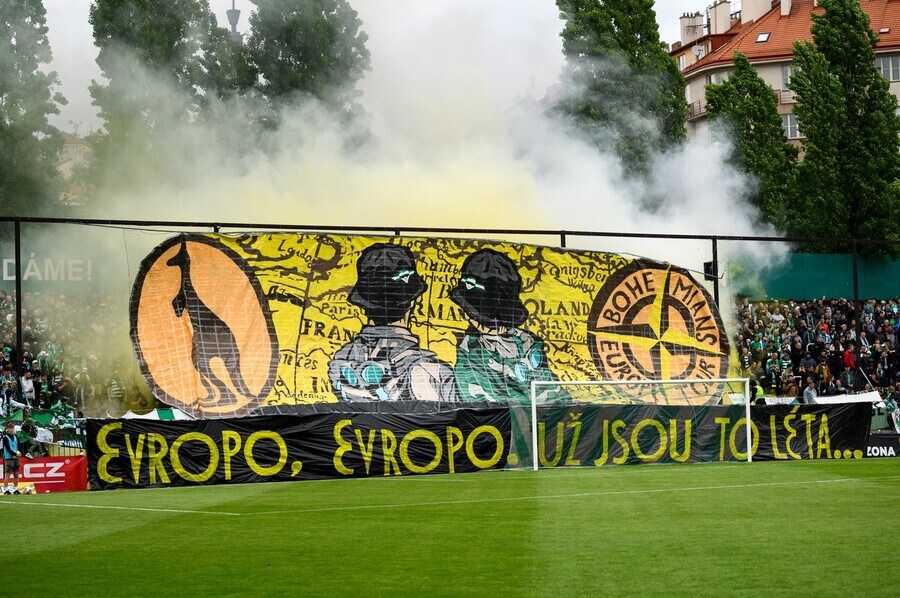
(646, 421)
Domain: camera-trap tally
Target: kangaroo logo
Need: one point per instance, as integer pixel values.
(203, 337)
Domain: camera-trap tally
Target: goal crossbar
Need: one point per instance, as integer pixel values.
(535, 384)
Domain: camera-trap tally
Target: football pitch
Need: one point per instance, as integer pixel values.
(791, 528)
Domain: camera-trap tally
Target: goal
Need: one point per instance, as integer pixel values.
(669, 393)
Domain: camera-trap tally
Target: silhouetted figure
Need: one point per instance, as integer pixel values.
(211, 337)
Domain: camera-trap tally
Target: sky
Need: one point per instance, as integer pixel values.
(445, 93)
(517, 46)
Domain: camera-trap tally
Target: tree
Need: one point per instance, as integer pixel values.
(311, 49)
(164, 60)
(625, 91)
(848, 178)
(29, 146)
(145, 44)
(746, 107)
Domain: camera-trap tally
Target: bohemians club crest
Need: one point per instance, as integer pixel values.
(652, 321)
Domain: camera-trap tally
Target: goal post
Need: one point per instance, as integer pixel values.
(692, 392)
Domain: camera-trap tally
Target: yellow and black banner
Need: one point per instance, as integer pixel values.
(135, 453)
(593, 435)
(223, 325)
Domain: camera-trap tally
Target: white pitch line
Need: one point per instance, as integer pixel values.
(558, 496)
(114, 508)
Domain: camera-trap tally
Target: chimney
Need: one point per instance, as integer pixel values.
(786, 6)
(751, 10)
(691, 27)
(719, 17)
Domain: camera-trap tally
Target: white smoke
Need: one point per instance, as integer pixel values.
(459, 140)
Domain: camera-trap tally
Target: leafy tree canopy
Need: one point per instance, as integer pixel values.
(625, 91)
(745, 108)
(29, 145)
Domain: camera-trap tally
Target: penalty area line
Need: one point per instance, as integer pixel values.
(116, 508)
(564, 496)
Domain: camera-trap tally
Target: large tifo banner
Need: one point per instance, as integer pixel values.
(223, 325)
(138, 453)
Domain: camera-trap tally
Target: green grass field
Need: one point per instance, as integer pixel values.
(806, 527)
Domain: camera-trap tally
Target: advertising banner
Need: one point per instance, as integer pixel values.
(225, 324)
(137, 453)
(883, 445)
(54, 474)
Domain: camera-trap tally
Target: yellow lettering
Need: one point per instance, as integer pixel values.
(343, 447)
(175, 458)
(616, 426)
(388, 446)
(366, 448)
(636, 445)
(792, 433)
(673, 440)
(604, 450)
(808, 419)
(135, 453)
(542, 445)
(773, 432)
(404, 451)
(157, 448)
(470, 447)
(571, 461)
(754, 438)
(231, 446)
(109, 453)
(251, 460)
(454, 443)
(723, 425)
(824, 442)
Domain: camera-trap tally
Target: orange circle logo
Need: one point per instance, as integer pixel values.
(652, 321)
(202, 335)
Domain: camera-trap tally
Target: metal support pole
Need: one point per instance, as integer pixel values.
(858, 308)
(749, 425)
(715, 259)
(562, 239)
(20, 349)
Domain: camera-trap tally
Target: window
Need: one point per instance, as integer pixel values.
(787, 70)
(716, 78)
(762, 38)
(789, 124)
(889, 67)
(682, 61)
(687, 93)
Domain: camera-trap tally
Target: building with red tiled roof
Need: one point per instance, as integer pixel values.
(765, 31)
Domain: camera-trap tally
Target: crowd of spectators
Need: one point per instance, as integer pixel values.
(74, 348)
(823, 347)
(69, 362)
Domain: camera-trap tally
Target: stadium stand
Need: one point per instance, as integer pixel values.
(843, 347)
